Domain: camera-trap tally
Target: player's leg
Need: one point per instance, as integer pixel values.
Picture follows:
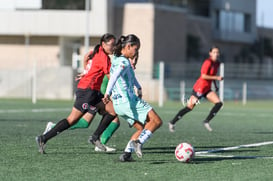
(83, 122)
(190, 105)
(126, 156)
(107, 134)
(108, 116)
(81, 106)
(212, 97)
(109, 131)
(153, 122)
(58, 128)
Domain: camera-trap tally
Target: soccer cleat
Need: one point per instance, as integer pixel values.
(171, 127)
(97, 143)
(41, 144)
(207, 126)
(108, 149)
(126, 157)
(49, 126)
(137, 147)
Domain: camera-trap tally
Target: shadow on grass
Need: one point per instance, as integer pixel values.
(201, 159)
(216, 159)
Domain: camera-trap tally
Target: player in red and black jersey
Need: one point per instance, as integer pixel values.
(202, 88)
(88, 95)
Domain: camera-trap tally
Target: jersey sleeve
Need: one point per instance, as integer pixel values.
(114, 77)
(205, 67)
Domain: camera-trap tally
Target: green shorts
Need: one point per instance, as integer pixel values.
(135, 110)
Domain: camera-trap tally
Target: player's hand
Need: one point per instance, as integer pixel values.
(106, 99)
(220, 78)
(139, 93)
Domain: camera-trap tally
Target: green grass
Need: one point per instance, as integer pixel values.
(70, 157)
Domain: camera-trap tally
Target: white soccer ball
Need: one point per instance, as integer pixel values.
(184, 152)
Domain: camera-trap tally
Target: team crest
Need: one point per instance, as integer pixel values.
(85, 106)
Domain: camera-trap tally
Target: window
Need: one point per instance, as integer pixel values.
(233, 21)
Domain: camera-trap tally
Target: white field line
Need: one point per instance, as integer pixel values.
(34, 110)
(234, 147)
(233, 156)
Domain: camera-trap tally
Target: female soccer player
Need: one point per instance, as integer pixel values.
(202, 88)
(88, 94)
(127, 104)
(87, 118)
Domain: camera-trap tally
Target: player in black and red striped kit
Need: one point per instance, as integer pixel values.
(202, 88)
(88, 95)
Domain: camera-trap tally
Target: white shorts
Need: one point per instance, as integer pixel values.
(135, 110)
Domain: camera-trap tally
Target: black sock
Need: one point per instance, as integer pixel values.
(213, 111)
(180, 114)
(104, 123)
(58, 128)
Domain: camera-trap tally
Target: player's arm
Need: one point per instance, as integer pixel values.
(211, 77)
(205, 72)
(85, 62)
(139, 89)
(112, 80)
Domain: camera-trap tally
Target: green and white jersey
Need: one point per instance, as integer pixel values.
(122, 81)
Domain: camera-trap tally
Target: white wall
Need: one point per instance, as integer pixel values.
(20, 4)
(55, 22)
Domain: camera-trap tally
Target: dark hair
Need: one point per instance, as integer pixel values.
(105, 38)
(136, 57)
(123, 41)
(212, 47)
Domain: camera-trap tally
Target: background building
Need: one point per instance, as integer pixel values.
(38, 40)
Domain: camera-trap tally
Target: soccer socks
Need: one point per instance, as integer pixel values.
(129, 148)
(82, 123)
(58, 128)
(104, 123)
(213, 111)
(108, 132)
(180, 114)
(144, 136)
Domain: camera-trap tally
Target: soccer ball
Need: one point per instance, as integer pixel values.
(184, 152)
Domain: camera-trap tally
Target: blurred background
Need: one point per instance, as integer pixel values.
(42, 44)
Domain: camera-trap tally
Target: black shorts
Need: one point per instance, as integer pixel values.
(199, 95)
(87, 99)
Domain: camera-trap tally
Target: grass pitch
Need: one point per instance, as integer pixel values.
(70, 157)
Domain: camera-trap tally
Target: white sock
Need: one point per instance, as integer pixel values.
(129, 148)
(144, 136)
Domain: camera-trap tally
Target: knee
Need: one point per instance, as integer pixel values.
(116, 120)
(158, 122)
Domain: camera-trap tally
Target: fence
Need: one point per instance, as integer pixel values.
(256, 79)
(56, 82)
